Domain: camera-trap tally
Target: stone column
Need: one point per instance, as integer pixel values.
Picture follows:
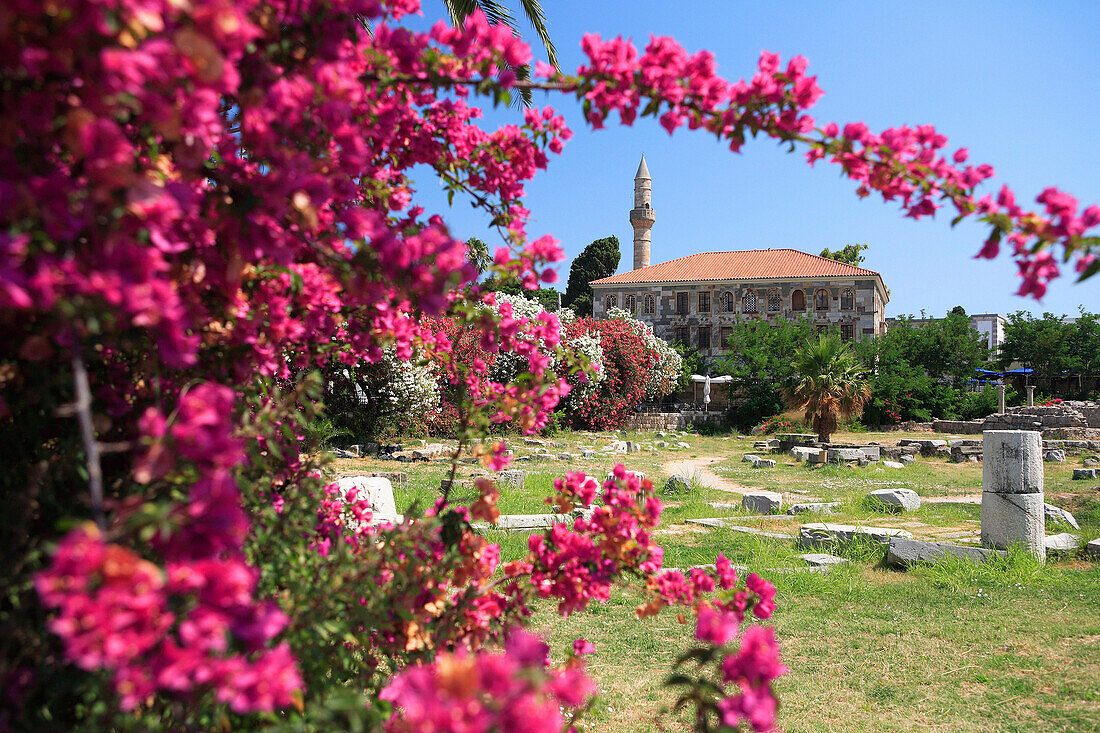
(1012, 490)
(1030, 395)
(1000, 398)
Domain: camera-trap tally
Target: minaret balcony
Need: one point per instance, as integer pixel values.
(642, 215)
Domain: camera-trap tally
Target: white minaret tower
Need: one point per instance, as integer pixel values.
(641, 216)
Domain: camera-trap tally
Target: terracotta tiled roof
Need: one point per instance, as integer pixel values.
(751, 264)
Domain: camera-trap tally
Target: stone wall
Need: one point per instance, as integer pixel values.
(1068, 418)
(959, 427)
(652, 421)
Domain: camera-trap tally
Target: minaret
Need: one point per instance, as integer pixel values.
(641, 216)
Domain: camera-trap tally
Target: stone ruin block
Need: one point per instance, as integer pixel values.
(762, 502)
(792, 440)
(377, 490)
(905, 500)
(820, 534)
(397, 478)
(903, 552)
(889, 452)
(1014, 519)
(927, 447)
(1012, 497)
(964, 453)
(677, 484)
(1064, 543)
(801, 453)
(820, 507)
(843, 455)
(1012, 462)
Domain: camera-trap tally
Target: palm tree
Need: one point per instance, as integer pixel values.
(831, 384)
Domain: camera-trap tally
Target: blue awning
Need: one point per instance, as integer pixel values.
(990, 373)
(1020, 371)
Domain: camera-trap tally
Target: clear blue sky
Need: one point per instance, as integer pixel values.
(1018, 83)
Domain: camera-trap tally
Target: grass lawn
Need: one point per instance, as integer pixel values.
(1007, 646)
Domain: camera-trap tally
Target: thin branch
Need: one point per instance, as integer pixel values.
(83, 406)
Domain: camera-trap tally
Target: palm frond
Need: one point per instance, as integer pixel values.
(831, 384)
(533, 10)
(495, 13)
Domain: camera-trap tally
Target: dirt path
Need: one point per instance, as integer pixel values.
(956, 499)
(698, 467)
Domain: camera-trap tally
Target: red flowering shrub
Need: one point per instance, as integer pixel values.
(777, 424)
(627, 363)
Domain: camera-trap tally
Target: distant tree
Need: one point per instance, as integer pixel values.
(1051, 345)
(691, 363)
(1042, 344)
(849, 254)
(599, 259)
(548, 298)
(758, 357)
(923, 370)
(831, 384)
(1085, 345)
(477, 254)
(949, 349)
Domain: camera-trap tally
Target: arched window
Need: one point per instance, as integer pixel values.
(726, 302)
(798, 301)
(648, 304)
(631, 305)
(847, 299)
(749, 305)
(775, 301)
(610, 302)
(821, 300)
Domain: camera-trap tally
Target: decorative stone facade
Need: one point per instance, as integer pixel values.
(698, 299)
(703, 313)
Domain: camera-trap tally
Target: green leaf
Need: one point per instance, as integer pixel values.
(1089, 271)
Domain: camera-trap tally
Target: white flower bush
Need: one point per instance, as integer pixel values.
(402, 389)
(587, 345)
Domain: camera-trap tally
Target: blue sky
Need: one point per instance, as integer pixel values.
(1016, 83)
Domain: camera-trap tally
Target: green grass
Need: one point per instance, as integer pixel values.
(1008, 646)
